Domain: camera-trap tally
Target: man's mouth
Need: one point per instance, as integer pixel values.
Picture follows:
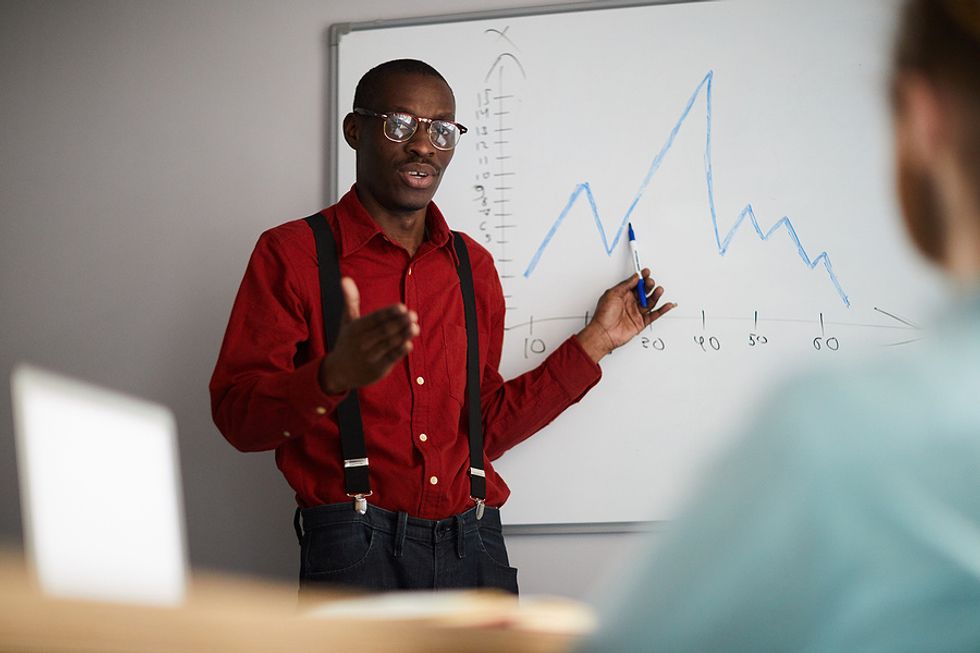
(418, 176)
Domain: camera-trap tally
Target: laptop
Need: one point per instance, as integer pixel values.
(100, 491)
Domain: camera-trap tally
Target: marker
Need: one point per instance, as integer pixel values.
(641, 291)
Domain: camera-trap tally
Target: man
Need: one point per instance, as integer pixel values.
(406, 511)
(849, 517)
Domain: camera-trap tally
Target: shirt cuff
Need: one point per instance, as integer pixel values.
(306, 395)
(574, 370)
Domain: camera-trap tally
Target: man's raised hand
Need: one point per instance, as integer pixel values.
(367, 347)
(618, 316)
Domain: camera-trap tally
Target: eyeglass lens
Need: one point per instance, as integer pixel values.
(400, 127)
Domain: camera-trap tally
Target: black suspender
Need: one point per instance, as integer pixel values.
(357, 484)
(478, 477)
(356, 479)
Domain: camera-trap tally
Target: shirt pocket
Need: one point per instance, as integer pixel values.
(454, 337)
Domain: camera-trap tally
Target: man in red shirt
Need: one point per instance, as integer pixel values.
(399, 354)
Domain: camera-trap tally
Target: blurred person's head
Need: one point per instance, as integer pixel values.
(936, 98)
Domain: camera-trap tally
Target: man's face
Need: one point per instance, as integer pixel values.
(401, 177)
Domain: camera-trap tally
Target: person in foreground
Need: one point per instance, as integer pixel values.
(848, 518)
(388, 439)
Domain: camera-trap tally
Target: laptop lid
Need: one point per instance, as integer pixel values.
(100, 491)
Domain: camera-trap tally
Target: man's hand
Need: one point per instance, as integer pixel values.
(619, 316)
(367, 347)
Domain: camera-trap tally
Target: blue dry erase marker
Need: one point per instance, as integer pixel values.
(641, 291)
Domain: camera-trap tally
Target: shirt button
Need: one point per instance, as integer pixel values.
(321, 410)
(286, 433)
(420, 380)
(433, 480)
(423, 437)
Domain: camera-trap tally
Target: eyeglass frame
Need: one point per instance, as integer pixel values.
(418, 119)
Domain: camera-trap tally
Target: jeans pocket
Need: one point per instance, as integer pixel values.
(493, 547)
(335, 548)
(494, 568)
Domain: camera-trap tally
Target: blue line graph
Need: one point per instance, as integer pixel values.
(722, 243)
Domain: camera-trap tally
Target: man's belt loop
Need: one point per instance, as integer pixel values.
(401, 530)
(460, 537)
(298, 524)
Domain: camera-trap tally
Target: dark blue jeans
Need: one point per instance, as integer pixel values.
(384, 550)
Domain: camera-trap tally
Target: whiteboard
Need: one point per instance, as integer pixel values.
(748, 142)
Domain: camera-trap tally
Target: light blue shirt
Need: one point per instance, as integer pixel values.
(847, 519)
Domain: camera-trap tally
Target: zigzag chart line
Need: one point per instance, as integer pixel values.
(722, 243)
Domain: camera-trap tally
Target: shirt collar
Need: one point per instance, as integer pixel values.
(357, 227)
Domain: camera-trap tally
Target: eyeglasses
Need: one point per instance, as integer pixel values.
(400, 127)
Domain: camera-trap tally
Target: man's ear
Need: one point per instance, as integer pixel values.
(351, 130)
(923, 117)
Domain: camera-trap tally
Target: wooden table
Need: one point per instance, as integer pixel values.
(226, 613)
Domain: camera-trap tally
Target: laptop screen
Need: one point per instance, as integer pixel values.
(100, 491)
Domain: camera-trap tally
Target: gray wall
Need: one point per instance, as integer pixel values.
(144, 145)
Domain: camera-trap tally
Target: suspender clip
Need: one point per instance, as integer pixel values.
(360, 501)
(480, 503)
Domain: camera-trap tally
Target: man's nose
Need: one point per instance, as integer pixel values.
(420, 144)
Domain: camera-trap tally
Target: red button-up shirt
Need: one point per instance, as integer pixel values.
(265, 393)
